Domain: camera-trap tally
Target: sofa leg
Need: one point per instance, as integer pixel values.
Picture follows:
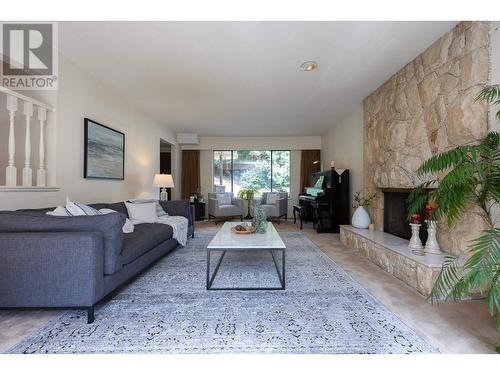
(90, 314)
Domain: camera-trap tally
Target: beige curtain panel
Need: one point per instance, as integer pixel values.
(308, 168)
(190, 172)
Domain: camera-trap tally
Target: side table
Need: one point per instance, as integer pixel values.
(199, 210)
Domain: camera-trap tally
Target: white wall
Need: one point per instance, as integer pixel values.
(343, 143)
(80, 95)
(295, 144)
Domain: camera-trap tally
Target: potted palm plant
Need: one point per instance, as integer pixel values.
(248, 194)
(471, 176)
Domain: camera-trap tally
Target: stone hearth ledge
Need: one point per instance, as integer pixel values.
(392, 254)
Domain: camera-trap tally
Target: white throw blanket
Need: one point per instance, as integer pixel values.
(179, 225)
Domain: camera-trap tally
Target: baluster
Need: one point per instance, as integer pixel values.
(40, 176)
(11, 170)
(27, 172)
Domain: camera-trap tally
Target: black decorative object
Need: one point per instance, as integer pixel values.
(326, 203)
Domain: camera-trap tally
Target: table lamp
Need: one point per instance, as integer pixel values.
(163, 181)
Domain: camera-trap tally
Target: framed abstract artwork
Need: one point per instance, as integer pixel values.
(104, 152)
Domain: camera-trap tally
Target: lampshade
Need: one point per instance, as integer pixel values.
(163, 180)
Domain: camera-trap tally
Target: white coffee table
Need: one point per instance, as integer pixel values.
(225, 241)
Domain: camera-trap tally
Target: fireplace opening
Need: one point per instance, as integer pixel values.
(396, 213)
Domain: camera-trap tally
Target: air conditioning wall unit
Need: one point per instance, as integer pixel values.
(188, 139)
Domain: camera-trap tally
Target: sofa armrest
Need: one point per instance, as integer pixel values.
(282, 205)
(213, 206)
(51, 269)
(179, 208)
(240, 203)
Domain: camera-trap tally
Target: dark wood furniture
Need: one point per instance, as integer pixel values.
(300, 210)
(199, 210)
(327, 201)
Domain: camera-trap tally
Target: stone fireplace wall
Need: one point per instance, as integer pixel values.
(426, 108)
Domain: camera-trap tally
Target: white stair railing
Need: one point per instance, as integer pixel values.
(29, 105)
(27, 172)
(40, 175)
(11, 171)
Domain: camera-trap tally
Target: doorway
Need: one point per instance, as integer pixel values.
(166, 161)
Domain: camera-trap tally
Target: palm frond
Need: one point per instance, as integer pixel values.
(491, 95)
(472, 176)
(480, 272)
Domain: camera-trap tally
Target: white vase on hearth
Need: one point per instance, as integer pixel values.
(415, 244)
(360, 219)
(432, 246)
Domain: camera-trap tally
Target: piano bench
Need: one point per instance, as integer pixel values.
(301, 210)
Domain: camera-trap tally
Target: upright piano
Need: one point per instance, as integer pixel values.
(327, 200)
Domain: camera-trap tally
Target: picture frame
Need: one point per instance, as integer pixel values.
(104, 152)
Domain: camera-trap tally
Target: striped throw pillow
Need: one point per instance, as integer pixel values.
(59, 211)
(80, 209)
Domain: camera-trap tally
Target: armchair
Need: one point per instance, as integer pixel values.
(216, 209)
(277, 209)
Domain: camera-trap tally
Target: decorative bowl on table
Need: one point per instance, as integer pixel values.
(243, 229)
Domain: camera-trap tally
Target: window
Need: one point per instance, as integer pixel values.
(245, 169)
(223, 171)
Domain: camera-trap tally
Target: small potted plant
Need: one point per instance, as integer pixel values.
(248, 195)
(198, 197)
(360, 218)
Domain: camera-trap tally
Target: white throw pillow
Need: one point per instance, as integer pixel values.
(140, 213)
(128, 227)
(80, 209)
(224, 199)
(272, 198)
(59, 211)
(160, 212)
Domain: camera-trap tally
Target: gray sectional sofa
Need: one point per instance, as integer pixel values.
(75, 262)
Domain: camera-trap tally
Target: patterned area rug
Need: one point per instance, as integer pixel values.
(168, 310)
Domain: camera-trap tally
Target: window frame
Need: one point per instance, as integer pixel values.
(272, 179)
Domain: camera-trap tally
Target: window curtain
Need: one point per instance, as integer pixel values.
(190, 180)
(308, 168)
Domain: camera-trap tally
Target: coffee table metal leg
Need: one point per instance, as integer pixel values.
(283, 267)
(281, 275)
(210, 280)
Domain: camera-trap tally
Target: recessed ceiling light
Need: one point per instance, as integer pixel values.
(309, 66)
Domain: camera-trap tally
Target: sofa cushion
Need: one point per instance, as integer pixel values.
(110, 226)
(272, 198)
(179, 208)
(144, 238)
(229, 210)
(224, 199)
(35, 211)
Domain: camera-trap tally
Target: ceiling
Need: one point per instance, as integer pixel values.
(244, 78)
